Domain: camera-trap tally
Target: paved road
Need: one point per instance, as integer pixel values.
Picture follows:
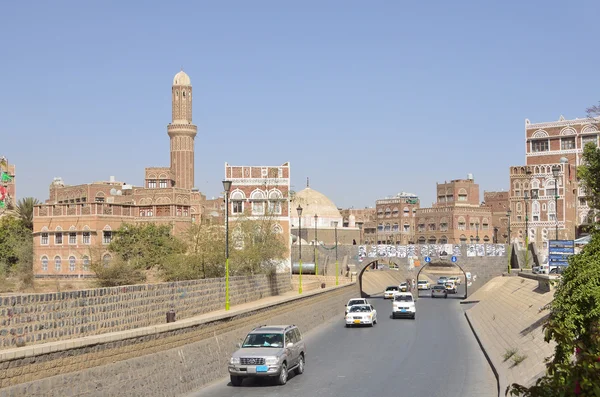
(434, 355)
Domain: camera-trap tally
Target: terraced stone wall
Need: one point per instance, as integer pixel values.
(40, 318)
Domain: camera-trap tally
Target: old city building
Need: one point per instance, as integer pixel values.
(395, 220)
(261, 192)
(498, 204)
(456, 217)
(76, 224)
(545, 198)
(360, 218)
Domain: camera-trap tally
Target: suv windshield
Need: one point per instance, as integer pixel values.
(264, 340)
(403, 298)
(391, 289)
(355, 309)
(439, 287)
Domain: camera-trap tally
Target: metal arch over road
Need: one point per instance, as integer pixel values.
(445, 264)
(434, 355)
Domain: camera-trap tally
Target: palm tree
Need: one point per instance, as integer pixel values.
(25, 210)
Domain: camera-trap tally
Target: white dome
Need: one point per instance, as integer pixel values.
(313, 202)
(182, 78)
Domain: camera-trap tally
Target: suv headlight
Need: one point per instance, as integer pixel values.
(234, 360)
(271, 360)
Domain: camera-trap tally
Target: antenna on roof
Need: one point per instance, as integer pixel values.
(307, 184)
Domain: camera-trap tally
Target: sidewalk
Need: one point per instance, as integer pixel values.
(508, 317)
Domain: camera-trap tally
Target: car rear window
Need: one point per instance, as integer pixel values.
(356, 302)
(391, 289)
(438, 287)
(403, 298)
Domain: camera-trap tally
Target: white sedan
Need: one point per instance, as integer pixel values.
(423, 284)
(361, 315)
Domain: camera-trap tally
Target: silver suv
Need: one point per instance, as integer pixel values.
(268, 351)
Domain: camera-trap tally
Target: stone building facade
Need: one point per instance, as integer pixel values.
(76, 224)
(457, 216)
(552, 203)
(395, 220)
(498, 202)
(362, 218)
(261, 192)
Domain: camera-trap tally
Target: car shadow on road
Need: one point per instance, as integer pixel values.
(270, 381)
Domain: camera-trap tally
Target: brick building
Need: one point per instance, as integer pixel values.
(76, 224)
(395, 220)
(498, 202)
(540, 201)
(261, 191)
(360, 218)
(456, 217)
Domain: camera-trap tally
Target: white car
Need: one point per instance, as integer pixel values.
(455, 280)
(355, 301)
(423, 284)
(390, 291)
(404, 305)
(361, 315)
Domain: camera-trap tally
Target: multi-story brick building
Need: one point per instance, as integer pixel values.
(498, 202)
(456, 217)
(76, 224)
(261, 192)
(362, 218)
(545, 197)
(8, 185)
(395, 220)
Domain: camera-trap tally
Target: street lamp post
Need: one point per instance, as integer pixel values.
(508, 216)
(526, 198)
(316, 242)
(337, 272)
(227, 187)
(299, 209)
(555, 172)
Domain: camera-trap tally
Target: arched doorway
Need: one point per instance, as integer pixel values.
(445, 263)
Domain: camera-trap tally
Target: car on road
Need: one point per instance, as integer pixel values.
(268, 351)
(541, 269)
(403, 287)
(442, 280)
(451, 287)
(455, 280)
(361, 315)
(390, 291)
(404, 305)
(355, 301)
(439, 291)
(423, 284)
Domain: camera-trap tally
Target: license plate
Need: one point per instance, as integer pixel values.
(356, 321)
(403, 310)
(251, 369)
(262, 368)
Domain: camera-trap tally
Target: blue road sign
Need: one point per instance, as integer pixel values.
(427, 259)
(453, 259)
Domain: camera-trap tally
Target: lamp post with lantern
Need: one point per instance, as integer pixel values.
(335, 224)
(316, 242)
(226, 187)
(299, 210)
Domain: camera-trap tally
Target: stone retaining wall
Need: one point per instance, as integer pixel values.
(169, 363)
(40, 318)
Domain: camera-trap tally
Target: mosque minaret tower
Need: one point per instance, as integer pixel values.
(182, 132)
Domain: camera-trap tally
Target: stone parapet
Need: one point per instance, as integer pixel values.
(40, 318)
(163, 360)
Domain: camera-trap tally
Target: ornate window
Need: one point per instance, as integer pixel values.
(44, 238)
(589, 139)
(44, 263)
(258, 203)
(395, 227)
(277, 229)
(86, 263)
(422, 240)
(152, 184)
(86, 238)
(406, 211)
(275, 198)
(380, 227)
(106, 236)
(463, 239)
(395, 212)
(462, 224)
(106, 258)
(388, 227)
(72, 238)
(432, 240)
(567, 143)
(146, 211)
(162, 184)
(388, 212)
(58, 237)
(72, 262)
(57, 263)
(406, 228)
(443, 240)
(540, 145)
(462, 195)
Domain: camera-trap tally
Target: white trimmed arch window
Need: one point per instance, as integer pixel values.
(237, 199)
(275, 198)
(258, 202)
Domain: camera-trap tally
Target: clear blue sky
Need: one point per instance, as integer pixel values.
(366, 98)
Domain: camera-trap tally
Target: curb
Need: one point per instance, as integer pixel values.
(487, 357)
(467, 302)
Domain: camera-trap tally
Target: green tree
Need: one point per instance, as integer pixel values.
(16, 250)
(144, 246)
(589, 175)
(24, 210)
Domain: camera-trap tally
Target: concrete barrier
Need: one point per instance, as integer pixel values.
(164, 360)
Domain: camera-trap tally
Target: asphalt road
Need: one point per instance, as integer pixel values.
(434, 355)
